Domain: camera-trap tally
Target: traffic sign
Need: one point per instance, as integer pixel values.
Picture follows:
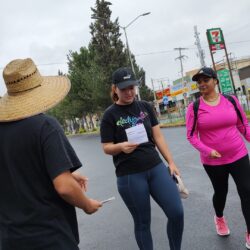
(165, 100)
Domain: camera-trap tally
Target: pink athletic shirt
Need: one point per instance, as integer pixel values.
(219, 128)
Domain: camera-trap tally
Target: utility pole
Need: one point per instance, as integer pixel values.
(232, 60)
(181, 57)
(230, 70)
(152, 81)
(156, 104)
(198, 44)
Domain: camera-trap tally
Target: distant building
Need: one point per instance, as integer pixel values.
(183, 91)
(241, 73)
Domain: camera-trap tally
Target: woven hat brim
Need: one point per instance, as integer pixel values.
(35, 101)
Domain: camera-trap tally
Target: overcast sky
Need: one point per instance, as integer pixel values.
(47, 30)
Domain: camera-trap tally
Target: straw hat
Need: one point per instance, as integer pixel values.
(29, 93)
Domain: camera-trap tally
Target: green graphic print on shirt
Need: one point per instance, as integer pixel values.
(132, 121)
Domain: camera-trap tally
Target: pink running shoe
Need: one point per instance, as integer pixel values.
(247, 240)
(221, 226)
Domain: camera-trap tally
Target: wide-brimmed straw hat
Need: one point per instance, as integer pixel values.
(29, 93)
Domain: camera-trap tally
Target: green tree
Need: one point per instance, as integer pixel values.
(84, 77)
(106, 47)
(90, 69)
(145, 92)
(109, 51)
(62, 111)
(81, 100)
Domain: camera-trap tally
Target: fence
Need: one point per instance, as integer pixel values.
(177, 116)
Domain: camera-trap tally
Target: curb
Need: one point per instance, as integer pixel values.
(172, 125)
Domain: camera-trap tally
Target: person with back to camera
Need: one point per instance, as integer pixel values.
(38, 186)
(218, 133)
(139, 169)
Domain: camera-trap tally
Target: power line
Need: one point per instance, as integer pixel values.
(161, 52)
(191, 47)
(246, 41)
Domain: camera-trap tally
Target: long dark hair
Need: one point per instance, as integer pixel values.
(113, 95)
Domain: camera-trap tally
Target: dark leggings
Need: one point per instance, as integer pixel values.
(135, 190)
(240, 171)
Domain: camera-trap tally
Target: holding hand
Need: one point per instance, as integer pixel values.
(128, 147)
(214, 154)
(93, 206)
(173, 169)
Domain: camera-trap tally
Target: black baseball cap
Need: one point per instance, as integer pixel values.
(124, 77)
(205, 71)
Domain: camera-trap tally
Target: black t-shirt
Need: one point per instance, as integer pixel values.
(115, 120)
(33, 152)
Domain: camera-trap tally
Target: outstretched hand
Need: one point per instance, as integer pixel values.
(93, 206)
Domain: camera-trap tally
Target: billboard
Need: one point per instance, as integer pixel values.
(160, 93)
(225, 82)
(215, 39)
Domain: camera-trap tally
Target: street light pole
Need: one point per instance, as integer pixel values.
(128, 49)
(127, 45)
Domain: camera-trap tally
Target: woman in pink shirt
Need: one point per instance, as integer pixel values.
(218, 136)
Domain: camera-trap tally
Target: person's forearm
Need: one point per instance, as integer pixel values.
(76, 197)
(112, 149)
(71, 192)
(163, 148)
(200, 146)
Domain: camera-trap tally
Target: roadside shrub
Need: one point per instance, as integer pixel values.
(82, 130)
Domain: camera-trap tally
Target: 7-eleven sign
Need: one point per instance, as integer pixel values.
(215, 39)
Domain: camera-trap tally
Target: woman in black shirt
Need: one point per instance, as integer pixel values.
(130, 132)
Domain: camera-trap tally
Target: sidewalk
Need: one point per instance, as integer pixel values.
(181, 122)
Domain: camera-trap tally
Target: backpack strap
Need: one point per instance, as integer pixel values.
(231, 99)
(196, 105)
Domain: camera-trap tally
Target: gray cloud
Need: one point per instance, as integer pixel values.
(47, 30)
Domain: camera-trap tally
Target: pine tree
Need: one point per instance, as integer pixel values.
(83, 77)
(109, 50)
(107, 47)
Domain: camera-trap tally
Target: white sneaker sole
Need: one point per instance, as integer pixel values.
(247, 246)
(226, 234)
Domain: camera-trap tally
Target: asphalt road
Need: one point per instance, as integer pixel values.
(111, 228)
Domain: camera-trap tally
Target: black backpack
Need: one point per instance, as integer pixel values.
(197, 104)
